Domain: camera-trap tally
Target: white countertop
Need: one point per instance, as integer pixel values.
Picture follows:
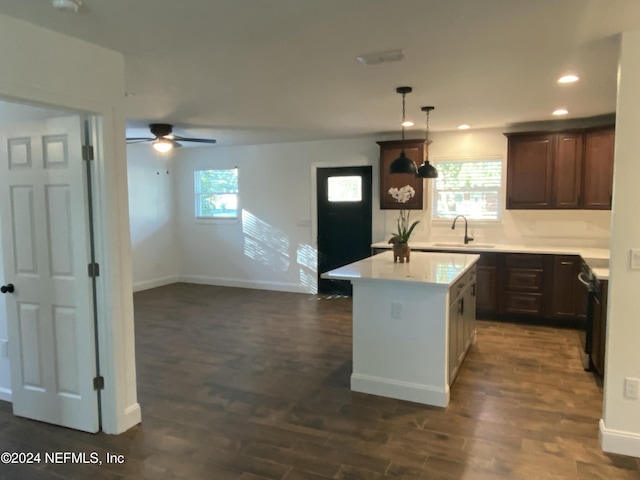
(596, 258)
(584, 252)
(433, 268)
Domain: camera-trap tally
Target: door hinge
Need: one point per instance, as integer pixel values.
(87, 152)
(98, 383)
(94, 270)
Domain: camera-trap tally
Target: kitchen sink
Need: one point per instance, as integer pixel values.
(462, 245)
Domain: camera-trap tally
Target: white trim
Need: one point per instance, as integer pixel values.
(412, 392)
(240, 283)
(155, 282)
(616, 441)
(5, 394)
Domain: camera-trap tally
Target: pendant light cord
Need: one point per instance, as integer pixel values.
(403, 119)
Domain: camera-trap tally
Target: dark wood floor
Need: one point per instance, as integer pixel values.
(253, 385)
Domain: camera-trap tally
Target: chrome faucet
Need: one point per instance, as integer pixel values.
(467, 238)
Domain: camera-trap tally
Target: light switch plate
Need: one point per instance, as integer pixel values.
(635, 259)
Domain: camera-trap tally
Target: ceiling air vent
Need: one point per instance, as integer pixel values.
(381, 57)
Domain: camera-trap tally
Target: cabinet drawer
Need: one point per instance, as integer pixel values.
(522, 260)
(527, 280)
(523, 303)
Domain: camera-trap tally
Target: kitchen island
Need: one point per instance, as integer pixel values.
(412, 323)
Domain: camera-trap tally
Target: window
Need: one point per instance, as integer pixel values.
(345, 189)
(216, 193)
(468, 187)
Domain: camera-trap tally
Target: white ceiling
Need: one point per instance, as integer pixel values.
(261, 71)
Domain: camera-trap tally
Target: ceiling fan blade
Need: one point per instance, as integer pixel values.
(139, 139)
(195, 140)
(176, 144)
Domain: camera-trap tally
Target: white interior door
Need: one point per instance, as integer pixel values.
(46, 253)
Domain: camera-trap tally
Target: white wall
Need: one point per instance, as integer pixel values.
(52, 69)
(276, 198)
(620, 426)
(152, 216)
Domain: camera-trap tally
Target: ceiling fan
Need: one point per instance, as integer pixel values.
(164, 140)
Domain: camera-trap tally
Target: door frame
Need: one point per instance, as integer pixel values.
(114, 291)
(361, 162)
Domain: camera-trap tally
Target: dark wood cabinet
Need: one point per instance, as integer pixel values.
(487, 285)
(598, 341)
(529, 171)
(523, 284)
(389, 151)
(598, 168)
(566, 299)
(560, 170)
(567, 178)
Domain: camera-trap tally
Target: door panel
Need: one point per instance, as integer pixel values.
(46, 253)
(344, 224)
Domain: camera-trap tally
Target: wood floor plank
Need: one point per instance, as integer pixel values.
(254, 385)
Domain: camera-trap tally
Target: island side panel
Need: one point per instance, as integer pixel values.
(400, 338)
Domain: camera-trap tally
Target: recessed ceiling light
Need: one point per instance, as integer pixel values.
(560, 111)
(464, 126)
(407, 123)
(568, 79)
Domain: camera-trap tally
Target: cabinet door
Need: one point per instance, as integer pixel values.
(389, 151)
(598, 168)
(564, 303)
(529, 172)
(568, 171)
(486, 290)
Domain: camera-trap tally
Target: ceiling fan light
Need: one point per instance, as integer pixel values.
(162, 145)
(403, 164)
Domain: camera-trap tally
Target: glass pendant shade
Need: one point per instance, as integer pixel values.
(403, 164)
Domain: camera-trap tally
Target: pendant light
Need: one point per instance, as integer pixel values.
(427, 170)
(403, 164)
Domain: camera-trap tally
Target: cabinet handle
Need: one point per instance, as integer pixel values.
(462, 306)
(566, 263)
(473, 290)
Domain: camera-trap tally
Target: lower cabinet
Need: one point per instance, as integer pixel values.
(523, 283)
(462, 317)
(487, 284)
(527, 285)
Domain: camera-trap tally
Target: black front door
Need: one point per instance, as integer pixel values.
(344, 221)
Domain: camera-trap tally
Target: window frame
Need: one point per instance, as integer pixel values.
(197, 196)
(500, 191)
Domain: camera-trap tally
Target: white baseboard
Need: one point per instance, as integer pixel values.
(413, 392)
(5, 394)
(132, 417)
(240, 283)
(156, 282)
(620, 442)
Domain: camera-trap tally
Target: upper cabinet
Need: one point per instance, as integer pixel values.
(598, 168)
(562, 170)
(389, 151)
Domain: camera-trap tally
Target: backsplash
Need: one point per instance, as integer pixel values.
(582, 228)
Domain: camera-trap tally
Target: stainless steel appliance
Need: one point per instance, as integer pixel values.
(591, 285)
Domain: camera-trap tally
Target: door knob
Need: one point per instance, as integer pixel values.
(8, 288)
